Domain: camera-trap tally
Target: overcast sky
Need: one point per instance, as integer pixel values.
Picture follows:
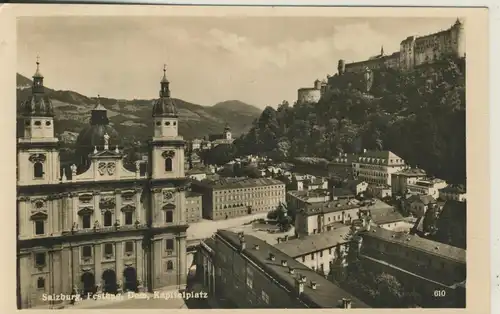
(258, 60)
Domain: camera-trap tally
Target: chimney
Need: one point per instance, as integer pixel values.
(346, 303)
(284, 262)
(256, 247)
(271, 256)
(313, 285)
(299, 285)
(291, 270)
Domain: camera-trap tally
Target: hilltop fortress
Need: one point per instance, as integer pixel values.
(413, 52)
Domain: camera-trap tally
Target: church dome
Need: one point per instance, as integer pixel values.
(38, 105)
(92, 136)
(164, 107)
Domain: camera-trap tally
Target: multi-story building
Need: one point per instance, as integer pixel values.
(250, 273)
(299, 199)
(401, 179)
(418, 205)
(453, 193)
(377, 167)
(193, 206)
(321, 252)
(98, 226)
(421, 263)
(426, 187)
(414, 51)
(320, 217)
(232, 197)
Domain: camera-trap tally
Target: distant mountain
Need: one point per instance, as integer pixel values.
(237, 106)
(132, 118)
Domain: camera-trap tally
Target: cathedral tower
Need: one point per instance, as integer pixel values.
(37, 152)
(167, 257)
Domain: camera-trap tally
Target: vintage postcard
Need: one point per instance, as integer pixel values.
(248, 158)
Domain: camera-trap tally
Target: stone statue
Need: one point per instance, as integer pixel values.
(137, 166)
(119, 286)
(73, 169)
(99, 287)
(106, 141)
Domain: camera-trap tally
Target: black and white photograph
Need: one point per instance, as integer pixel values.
(241, 162)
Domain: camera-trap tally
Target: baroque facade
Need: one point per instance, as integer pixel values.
(98, 227)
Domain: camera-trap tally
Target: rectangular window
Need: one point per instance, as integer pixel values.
(303, 259)
(312, 256)
(40, 259)
(321, 254)
(129, 247)
(39, 227)
(87, 251)
(169, 216)
(108, 249)
(129, 218)
(86, 224)
(169, 245)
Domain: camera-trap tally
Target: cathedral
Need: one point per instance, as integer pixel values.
(98, 226)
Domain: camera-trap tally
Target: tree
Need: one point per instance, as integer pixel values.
(220, 154)
(389, 288)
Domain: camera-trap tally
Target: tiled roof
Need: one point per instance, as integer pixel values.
(193, 194)
(384, 214)
(326, 294)
(421, 244)
(330, 207)
(425, 199)
(411, 172)
(315, 242)
(236, 183)
(461, 189)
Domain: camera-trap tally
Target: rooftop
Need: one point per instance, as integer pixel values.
(462, 189)
(305, 195)
(425, 199)
(315, 242)
(193, 194)
(236, 183)
(330, 206)
(411, 172)
(326, 294)
(417, 243)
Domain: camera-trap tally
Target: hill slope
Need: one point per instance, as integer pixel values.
(132, 118)
(419, 115)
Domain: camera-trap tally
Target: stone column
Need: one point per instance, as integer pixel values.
(76, 267)
(23, 219)
(182, 261)
(141, 275)
(57, 272)
(119, 263)
(66, 270)
(25, 280)
(98, 264)
(139, 210)
(97, 210)
(74, 209)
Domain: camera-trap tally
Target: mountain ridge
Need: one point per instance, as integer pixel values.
(132, 118)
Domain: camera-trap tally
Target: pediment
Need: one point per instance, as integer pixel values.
(107, 153)
(169, 206)
(128, 208)
(39, 216)
(107, 203)
(85, 211)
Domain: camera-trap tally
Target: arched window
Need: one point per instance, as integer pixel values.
(168, 164)
(170, 265)
(169, 216)
(40, 283)
(38, 170)
(108, 219)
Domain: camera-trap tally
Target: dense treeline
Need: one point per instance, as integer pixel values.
(419, 115)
